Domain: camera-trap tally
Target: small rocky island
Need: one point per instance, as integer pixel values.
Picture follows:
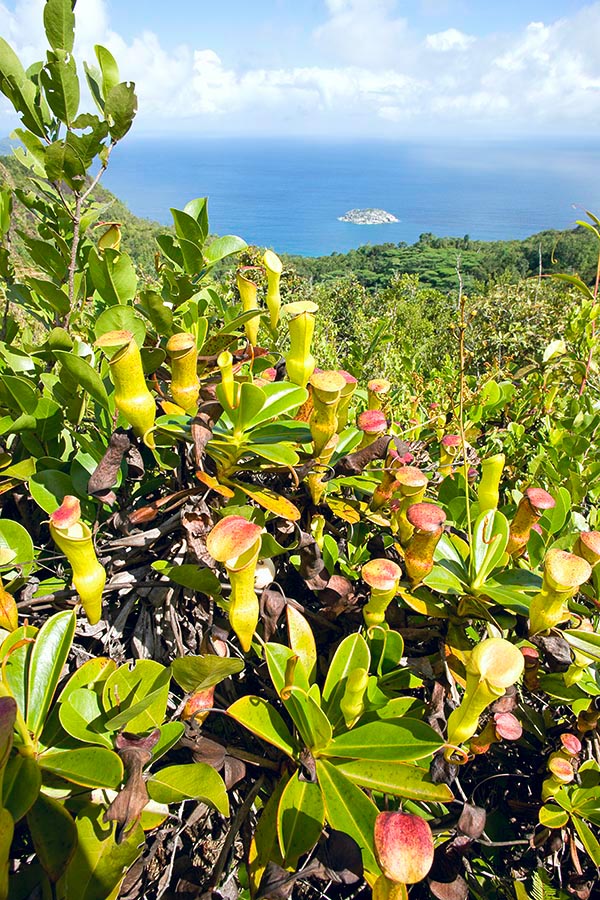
(368, 217)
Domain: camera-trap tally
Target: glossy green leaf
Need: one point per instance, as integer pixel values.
(187, 227)
(59, 24)
(588, 839)
(21, 785)
(278, 658)
(349, 810)
(204, 581)
(21, 395)
(445, 581)
(137, 697)
(402, 740)
(264, 847)
(16, 546)
(553, 816)
(121, 318)
(260, 717)
(352, 653)
(300, 818)
(82, 716)
(584, 641)
(120, 108)
(108, 68)
(554, 519)
(490, 538)
(195, 781)
(302, 641)
(86, 377)
(99, 863)
(49, 487)
(222, 247)
(49, 654)
(7, 828)
(113, 276)
(311, 721)
(91, 676)
(15, 653)
(53, 834)
(95, 767)
(170, 733)
(399, 779)
(197, 673)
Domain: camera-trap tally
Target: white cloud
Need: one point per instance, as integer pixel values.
(451, 39)
(376, 75)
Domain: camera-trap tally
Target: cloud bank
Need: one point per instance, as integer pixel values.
(377, 76)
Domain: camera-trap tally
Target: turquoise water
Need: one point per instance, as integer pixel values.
(288, 194)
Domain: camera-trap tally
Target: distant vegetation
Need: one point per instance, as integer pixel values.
(433, 259)
(262, 621)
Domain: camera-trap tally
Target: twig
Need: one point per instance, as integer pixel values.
(235, 827)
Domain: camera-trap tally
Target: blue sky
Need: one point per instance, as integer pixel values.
(386, 68)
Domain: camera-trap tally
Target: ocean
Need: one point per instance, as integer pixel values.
(288, 194)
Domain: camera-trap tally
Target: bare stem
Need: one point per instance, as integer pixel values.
(591, 353)
(79, 201)
(462, 327)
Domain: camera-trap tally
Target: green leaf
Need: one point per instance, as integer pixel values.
(300, 817)
(16, 546)
(402, 740)
(94, 767)
(7, 830)
(113, 276)
(302, 642)
(137, 697)
(91, 676)
(490, 538)
(554, 519)
(278, 398)
(21, 785)
(23, 397)
(583, 641)
(49, 488)
(396, 778)
(57, 299)
(553, 816)
(264, 846)
(61, 86)
(352, 653)
(99, 864)
(198, 210)
(347, 809)
(120, 109)
(203, 581)
(15, 653)
(222, 247)
(108, 68)
(311, 721)
(157, 311)
(259, 717)
(278, 657)
(87, 377)
(197, 673)
(187, 228)
(588, 839)
(59, 24)
(195, 781)
(121, 318)
(82, 716)
(49, 654)
(443, 580)
(53, 834)
(170, 733)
